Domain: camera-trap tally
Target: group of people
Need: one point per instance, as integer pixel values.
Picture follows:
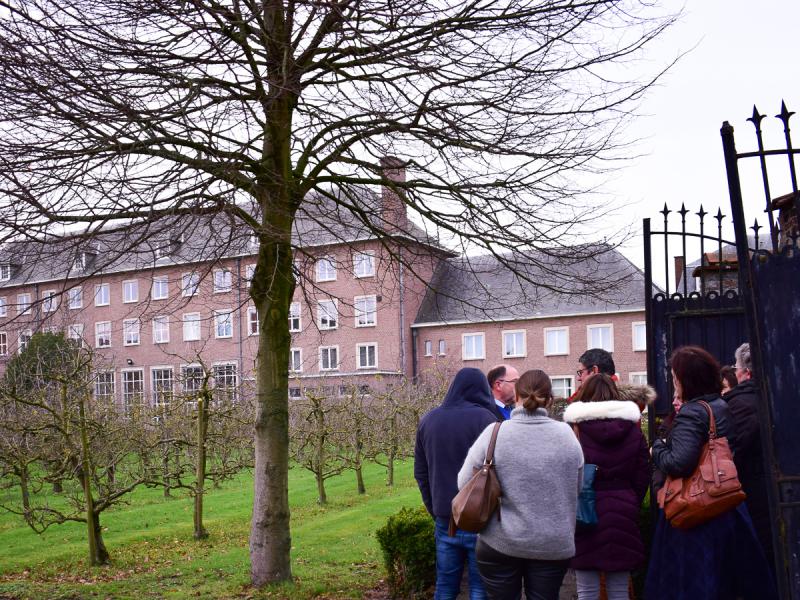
(532, 540)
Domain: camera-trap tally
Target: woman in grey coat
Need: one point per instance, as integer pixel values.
(539, 464)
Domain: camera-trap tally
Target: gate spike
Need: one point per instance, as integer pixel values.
(719, 216)
(701, 213)
(755, 229)
(665, 211)
(683, 211)
(756, 118)
(785, 114)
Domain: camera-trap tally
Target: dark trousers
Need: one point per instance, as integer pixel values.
(503, 575)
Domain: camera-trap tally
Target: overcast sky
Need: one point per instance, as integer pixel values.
(745, 54)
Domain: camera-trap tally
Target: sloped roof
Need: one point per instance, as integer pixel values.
(187, 239)
(513, 286)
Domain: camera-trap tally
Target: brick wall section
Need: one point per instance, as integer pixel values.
(626, 359)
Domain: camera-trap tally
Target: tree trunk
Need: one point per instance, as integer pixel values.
(360, 480)
(390, 469)
(22, 473)
(271, 290)
(98, 555)
(322, 496)
(200, 471)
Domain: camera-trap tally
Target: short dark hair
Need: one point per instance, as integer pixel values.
(597, 357)
(495, 373)
(697, 371)
(728, 374)
(597, 388)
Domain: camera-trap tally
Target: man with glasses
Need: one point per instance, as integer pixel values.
(595, 360)
(503, 381)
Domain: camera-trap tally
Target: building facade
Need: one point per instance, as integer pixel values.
(160, 308)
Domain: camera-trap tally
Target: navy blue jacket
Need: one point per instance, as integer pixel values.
(445, 435)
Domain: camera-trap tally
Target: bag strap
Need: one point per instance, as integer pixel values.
(490, 450)
(712, 424)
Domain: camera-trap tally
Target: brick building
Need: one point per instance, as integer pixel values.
(160, 301)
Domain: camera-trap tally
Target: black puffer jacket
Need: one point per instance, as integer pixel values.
(679, 454)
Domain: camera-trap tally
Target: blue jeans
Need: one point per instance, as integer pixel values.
(451, 554)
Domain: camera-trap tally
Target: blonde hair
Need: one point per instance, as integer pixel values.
(535, 390)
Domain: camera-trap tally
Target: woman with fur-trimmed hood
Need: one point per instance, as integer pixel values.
(609, 430)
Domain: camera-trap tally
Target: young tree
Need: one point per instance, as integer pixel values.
(120, 110)
(46, 398)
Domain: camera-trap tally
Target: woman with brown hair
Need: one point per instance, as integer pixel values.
(610, 434)
(720, 559)
(539, 464)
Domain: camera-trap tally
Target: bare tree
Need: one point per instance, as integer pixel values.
(98, 453)
(119, 110)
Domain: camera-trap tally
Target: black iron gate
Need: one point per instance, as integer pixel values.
(770, 286)
(745, 289)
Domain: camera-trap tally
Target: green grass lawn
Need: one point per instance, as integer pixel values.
(334, 551)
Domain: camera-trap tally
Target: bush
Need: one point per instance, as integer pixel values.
(409, 552)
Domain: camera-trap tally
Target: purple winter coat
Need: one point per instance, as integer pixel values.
(611, 437)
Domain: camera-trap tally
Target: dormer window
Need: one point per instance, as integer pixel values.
(5, 271)
(83, 260)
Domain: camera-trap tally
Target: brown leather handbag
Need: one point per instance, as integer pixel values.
(712, 489)
(475, 503)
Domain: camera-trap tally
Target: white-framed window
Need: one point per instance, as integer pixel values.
(295, 360)
(75, 298)
(23, 304)
(252, 321)
(295, 393)
(130, 332)
(638, 377)
(191, 326)
(75, 332)
(249, 273)
(295, 322)
(104, 386)
(428, 348)
(51, 329)
(556, 341)
(190, 284)
(102, 294)
(365, 311)
(3, 306)
(130, 291)
(223, 323)
(162, 382)
(160, 329)
(223, 281)
(160, 289)
(328, 358)
(3, 343)
(364, 264)
(132, 387)
(325, 269)
(192, 379)
(24, 339)
(49, 300)
(514, 343)
(225, 381)
(473, 347)
(639, 336)
(366, 356)
(563, 386)
(102, 334)
(600, 336)
(327, 314)
(5, 271)
(442, 347)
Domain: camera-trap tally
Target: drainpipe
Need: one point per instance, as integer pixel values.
(239, 312)
(414, 358)
(402, 318)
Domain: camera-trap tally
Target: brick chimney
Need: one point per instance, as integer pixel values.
(680, 271)
(393, 209)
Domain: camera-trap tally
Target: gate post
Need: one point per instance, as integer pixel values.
(748, 294)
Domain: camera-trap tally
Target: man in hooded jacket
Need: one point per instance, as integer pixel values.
(444, 437)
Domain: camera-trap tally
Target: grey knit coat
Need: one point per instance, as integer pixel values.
(539, 463)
